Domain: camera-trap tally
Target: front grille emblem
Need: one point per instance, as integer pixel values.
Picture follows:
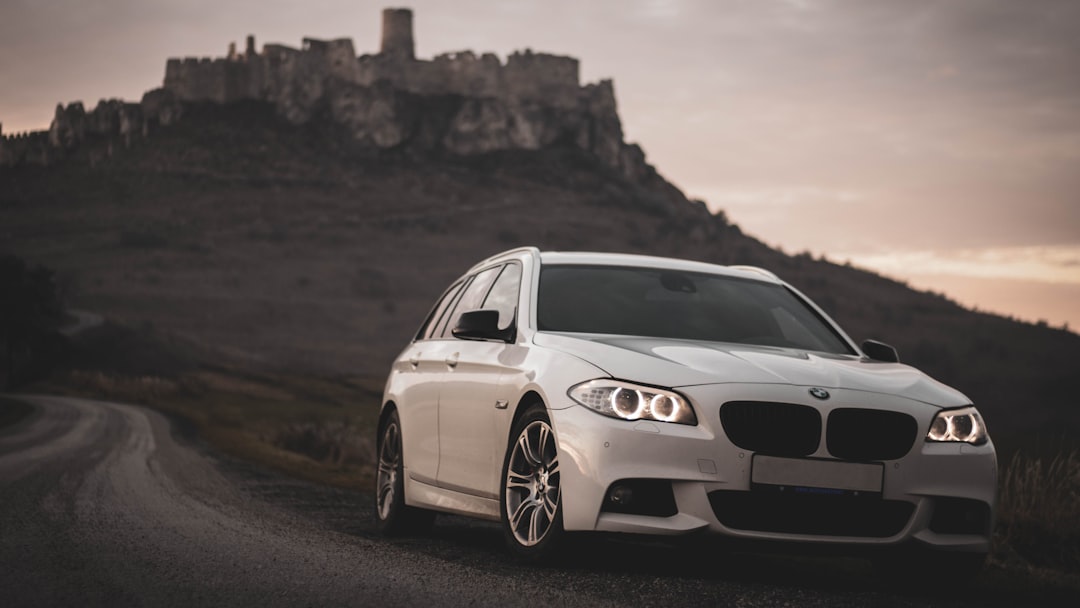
(819, 393)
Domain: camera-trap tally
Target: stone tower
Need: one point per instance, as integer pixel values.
(397, 38)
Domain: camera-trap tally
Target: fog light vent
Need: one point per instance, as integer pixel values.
(652, 497)
(960, 516)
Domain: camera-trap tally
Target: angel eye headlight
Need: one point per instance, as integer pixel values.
(962, 425)
(633, 402)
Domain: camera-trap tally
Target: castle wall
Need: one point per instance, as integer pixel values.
(334, 58)
(526, 76)
(280, 72)
(195, 79)
(531, 75)
(452, 73)
(31, 148)
(235, 77)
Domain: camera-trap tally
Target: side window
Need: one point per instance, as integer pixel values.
(437, 313)
(504, 294)
(472, 297)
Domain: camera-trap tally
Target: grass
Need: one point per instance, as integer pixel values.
(1038, 526)
(12, 411)
(318, 429)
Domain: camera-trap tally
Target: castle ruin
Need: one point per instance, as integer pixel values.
(530, 101)
(274, 73)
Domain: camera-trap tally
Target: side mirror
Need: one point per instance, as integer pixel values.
(879, 351)
(482, 325)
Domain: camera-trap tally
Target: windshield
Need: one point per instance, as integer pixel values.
(674, 304)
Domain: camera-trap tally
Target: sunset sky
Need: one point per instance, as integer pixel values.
(934, 141)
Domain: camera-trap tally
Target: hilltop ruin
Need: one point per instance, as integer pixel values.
(533, 100)
(273, 73)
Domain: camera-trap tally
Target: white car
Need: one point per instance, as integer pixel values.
(563, 392)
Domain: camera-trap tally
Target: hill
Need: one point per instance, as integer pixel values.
(298, 210)
(287, 247)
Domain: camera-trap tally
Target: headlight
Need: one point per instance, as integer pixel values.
(633, 402)
(964, 424)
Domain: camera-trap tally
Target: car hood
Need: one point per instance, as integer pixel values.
(676, 363)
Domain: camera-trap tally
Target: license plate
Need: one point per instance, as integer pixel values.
(826, 475)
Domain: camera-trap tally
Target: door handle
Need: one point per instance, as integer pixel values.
(451, 361)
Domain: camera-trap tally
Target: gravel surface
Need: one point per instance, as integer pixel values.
(107, 504)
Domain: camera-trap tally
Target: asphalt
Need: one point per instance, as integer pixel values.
(109, 504)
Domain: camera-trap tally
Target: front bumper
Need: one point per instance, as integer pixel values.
(710, 478)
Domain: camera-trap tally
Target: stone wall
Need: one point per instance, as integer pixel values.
(551, 78)
(221, 80)
(531, 101)
(269, 74)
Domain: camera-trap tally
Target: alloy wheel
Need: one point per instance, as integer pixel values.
(389, 460)
(532, 484)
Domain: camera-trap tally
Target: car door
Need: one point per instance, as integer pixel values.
(472, 396)
(421, 368)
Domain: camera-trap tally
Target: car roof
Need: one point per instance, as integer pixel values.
(648, 261)
(595, 258)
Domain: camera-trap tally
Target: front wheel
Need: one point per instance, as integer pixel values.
(531, 504)
(392, 516)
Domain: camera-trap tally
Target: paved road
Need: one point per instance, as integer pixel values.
(106, 504)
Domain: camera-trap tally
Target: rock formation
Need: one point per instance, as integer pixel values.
(532, 101)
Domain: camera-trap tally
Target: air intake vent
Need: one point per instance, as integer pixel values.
(811, 514)
(866, 435)
(778, 429)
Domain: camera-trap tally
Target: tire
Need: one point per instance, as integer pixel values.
(392, 516)
(531, 501)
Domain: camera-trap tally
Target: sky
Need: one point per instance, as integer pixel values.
(935, 141)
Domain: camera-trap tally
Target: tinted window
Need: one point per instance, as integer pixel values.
(472, 297)
(437, 313)
(675, 304)
(504, 294)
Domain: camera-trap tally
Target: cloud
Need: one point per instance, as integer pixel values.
(781, 197)
(1047, 264)
(667, 10)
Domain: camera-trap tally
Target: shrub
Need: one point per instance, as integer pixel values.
(30, 313)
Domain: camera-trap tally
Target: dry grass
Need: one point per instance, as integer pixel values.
(334, 443)
(317, 429)
(1039, 514)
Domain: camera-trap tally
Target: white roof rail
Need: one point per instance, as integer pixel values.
(756, 270)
